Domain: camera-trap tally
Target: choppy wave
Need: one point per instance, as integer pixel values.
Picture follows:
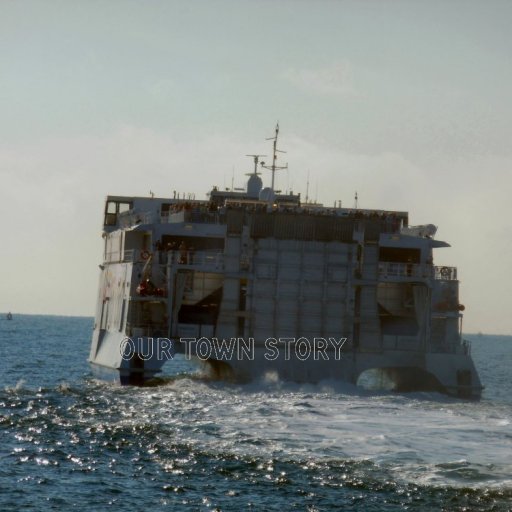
(203, 444)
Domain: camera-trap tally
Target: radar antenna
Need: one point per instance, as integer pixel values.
(256, 161)
(274, 167)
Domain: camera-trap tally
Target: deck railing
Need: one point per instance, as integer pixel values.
(445, 273)
(389, 269)
(457, 347)
(211, 259)
(196, 216)
(131, 218)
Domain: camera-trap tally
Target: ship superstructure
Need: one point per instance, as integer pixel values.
(309, 292)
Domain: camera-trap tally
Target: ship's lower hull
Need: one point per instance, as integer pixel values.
(400, 370)
(117, 357)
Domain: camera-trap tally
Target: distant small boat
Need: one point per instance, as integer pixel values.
(9, 316)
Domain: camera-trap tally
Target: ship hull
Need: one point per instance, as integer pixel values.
(243, 361)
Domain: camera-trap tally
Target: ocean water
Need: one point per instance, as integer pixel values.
(70, 442)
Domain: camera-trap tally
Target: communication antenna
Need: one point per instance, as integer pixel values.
(307, 189)
(274, 167)
(355, 201)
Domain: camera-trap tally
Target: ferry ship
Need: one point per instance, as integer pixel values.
(254, 281)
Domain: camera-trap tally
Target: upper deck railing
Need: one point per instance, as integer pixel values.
(370, 222)
(198, 216)
(207, 259)
(131, 218)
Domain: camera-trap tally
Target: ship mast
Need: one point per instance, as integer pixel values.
(274, 167)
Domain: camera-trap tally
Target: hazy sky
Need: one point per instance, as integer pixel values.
(407, 102)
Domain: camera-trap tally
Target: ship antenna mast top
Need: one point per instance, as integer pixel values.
(274, 167)
(256, 161)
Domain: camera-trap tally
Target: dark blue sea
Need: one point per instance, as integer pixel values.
(70, 442)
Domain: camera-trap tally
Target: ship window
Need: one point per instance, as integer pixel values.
(110, 219)
(112, 209)
(399, 255)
